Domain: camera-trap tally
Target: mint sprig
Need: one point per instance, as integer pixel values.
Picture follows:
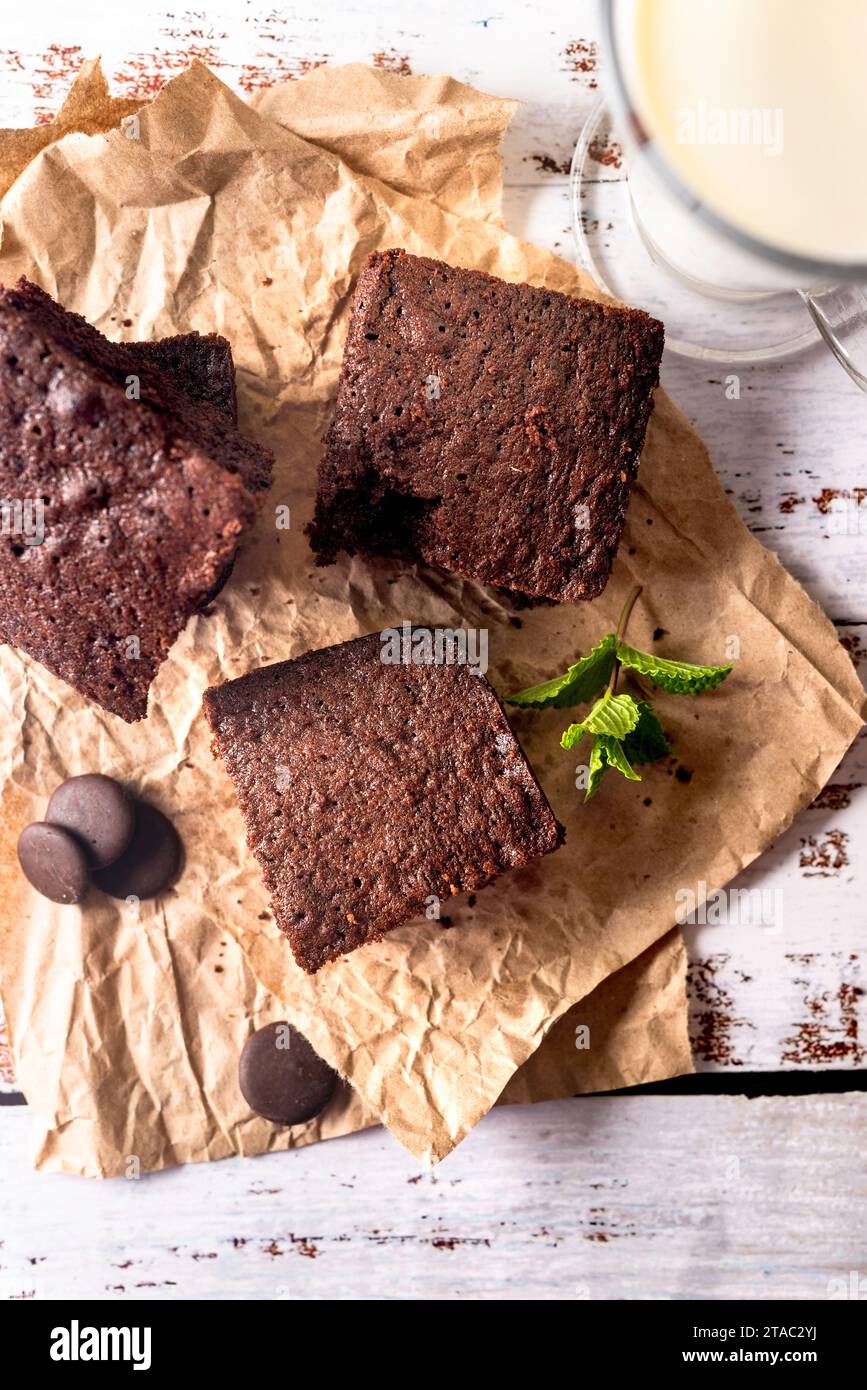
(625, 731)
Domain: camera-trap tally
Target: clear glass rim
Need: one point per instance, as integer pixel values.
(721, 356)
(820, 272)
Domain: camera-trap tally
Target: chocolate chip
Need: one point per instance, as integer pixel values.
(282, 1078)
(54, 862)
(98, 812)
(151, 861)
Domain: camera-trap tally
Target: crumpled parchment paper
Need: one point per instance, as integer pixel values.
(207, 214)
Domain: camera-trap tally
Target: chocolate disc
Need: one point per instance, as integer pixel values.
(98, 812)
(151, 861)
(282, 1078)
(53, 862)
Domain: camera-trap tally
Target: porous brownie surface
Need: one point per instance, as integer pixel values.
(486, 428)
(144, 502)
(366, 788)
(192, 420)
(201, 364)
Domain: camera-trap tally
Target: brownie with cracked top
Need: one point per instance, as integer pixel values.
(370, 790)
(125, 496)
(487, 428)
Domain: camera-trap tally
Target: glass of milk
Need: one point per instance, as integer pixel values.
(744, 124)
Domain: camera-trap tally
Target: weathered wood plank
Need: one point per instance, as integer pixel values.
(603, 1198)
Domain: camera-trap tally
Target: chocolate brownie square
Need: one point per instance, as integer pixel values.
(371, 789)
(486, 428)
(124, 499)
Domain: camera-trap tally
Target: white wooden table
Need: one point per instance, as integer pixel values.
(710, 1196)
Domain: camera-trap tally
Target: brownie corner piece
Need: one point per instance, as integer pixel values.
(371, 791)
(202, 365)
(487, 428)
(135, 500)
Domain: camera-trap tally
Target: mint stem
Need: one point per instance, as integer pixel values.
(623, 622)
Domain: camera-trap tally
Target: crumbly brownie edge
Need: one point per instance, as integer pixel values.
(202, 365)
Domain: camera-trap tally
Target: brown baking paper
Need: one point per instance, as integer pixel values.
(221, 218)
(89, 108)
(147, 1074)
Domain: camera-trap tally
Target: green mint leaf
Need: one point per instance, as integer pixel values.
(678, 677)
(615, 753)
(607, 752)
(597, 767)
(613, 715)
(576, 686)
(646, 742)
